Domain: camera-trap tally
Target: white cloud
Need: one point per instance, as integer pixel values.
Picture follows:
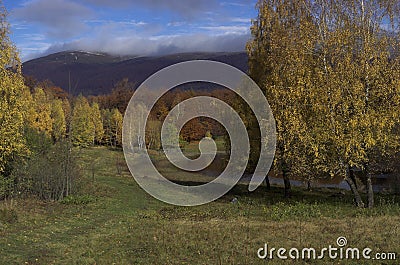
(185, 8)
(176, 24)
(33, 50)
(227, 29)
(61, 18)
(76, 25)
(33, 37)
(232, 4)
(241, 20)
(157, 45)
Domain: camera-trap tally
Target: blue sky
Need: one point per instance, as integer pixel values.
(129, 27)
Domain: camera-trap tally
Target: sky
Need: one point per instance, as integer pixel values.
(129, 27)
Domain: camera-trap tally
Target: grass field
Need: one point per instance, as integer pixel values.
(113, 221)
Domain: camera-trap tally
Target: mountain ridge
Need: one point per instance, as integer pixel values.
(95, 73)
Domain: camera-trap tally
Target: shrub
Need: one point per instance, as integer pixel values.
(51, 174)
(8, 216)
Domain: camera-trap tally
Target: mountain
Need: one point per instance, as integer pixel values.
(96, 73)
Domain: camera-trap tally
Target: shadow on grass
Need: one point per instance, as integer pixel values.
(274, 195)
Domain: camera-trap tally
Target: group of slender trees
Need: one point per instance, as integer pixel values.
(331, 73)
(84, 124)
(39, 126)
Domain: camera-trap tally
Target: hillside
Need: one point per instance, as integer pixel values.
(96, 73)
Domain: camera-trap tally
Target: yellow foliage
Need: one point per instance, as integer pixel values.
(12, 110)
(334, 89)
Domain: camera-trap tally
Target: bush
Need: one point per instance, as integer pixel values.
(6, 186)
(8, 216)
(50, 174)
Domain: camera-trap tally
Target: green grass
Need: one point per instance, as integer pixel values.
(193, 147)
(113, 221)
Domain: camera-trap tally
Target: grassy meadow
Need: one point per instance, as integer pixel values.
(113, 221)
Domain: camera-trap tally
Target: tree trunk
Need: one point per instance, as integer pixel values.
(267, 183)
(353, 177)
(370, 192)
(286, 181)
(308, 185)
(285, 171)
(357, 197)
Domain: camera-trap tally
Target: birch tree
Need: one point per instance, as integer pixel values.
(98, 123)
(330, 70)
(82, 126)
(59, 124)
